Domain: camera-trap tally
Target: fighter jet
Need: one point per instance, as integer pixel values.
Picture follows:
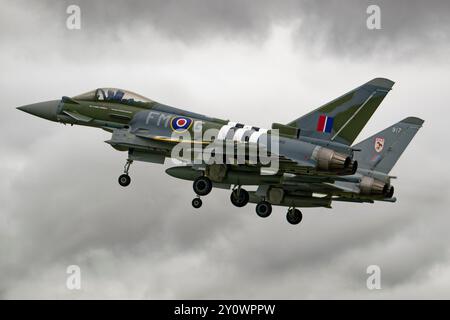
(309, 162)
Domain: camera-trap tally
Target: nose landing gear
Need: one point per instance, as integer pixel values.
(197, 202)
(124, 179)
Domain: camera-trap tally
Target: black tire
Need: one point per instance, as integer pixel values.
(241, 199)
(124, 180)
(294, 216)
(197, 203)
(202, 186)
(263, 209)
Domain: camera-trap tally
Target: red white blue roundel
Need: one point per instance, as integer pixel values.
(180, 123)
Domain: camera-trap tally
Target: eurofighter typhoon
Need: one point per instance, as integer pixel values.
(308, 162)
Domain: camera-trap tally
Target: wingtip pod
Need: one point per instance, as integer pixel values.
(382, 83)
(413, 120)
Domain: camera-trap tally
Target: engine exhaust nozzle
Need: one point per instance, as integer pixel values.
(330, 160)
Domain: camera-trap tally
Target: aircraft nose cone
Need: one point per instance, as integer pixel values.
(46, 110)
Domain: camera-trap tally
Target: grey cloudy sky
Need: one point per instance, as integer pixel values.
(252, 61)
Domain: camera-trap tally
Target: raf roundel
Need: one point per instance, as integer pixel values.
(180, 124)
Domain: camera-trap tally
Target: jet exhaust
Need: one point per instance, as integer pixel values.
(330, 160)
(371, 186)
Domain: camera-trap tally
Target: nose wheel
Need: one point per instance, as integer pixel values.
(124, 179)
(197, 203)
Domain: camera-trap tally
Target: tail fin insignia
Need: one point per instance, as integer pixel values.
(342, 119)
(325, 124)
(381, 151)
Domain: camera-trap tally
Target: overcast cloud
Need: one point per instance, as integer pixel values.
(256, 62)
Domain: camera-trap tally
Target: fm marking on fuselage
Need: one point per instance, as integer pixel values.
(162, 118)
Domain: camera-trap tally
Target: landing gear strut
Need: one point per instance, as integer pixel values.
(124, 179)
(239, 197)
(294, 216)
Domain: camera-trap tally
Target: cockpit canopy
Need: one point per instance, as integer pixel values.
(113, 95)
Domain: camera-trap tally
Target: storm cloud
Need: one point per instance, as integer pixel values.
(252, 61)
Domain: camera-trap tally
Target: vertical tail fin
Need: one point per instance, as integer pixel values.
(381, 151)
(342, 119)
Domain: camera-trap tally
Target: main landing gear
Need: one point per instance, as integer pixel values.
(124, 179)
(294, 216)
(239, 197)
(202, 186)
(263, 209)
